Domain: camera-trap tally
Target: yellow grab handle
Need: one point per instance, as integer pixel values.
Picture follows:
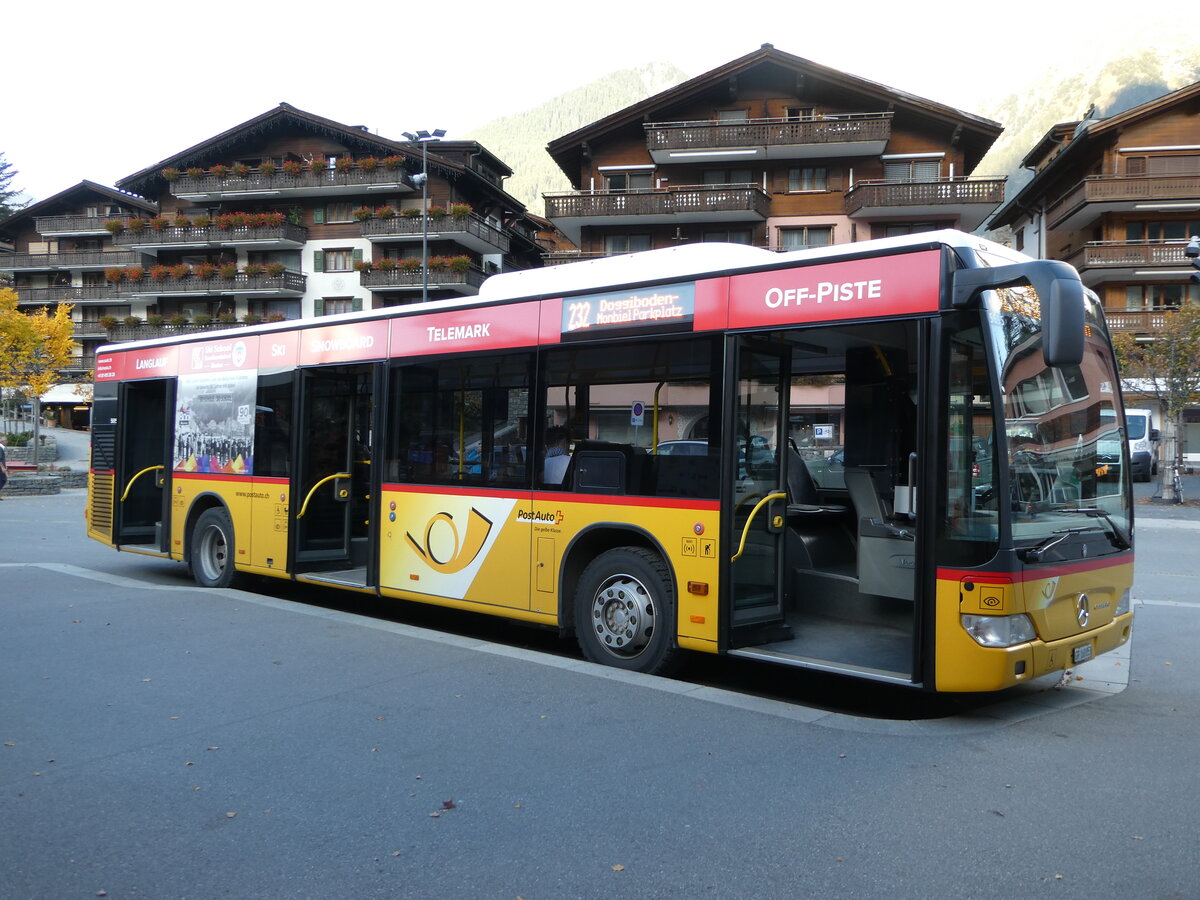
(304, 506)
(129, 486)
(754, 512)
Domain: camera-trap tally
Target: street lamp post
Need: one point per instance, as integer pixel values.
(424, 137)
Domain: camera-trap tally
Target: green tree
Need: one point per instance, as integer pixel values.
(8, 195)
(1167, 368)
(34, 349)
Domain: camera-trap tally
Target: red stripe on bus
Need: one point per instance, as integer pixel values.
(1058, 571)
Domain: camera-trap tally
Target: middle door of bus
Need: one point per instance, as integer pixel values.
(333, 482)
(824, 560)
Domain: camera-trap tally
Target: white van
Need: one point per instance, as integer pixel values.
(1143, 444)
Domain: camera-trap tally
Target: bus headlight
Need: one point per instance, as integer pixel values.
(999, 631)
(1123, 605)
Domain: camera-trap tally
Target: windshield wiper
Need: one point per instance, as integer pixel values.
(1119, 538)
(1034, 554)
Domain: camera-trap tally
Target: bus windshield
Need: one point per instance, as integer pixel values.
(1062, 429)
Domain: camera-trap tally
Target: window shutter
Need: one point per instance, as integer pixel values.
(318, 215)
(319, 261)
(357, 255)
(357, 307)
(319, 307)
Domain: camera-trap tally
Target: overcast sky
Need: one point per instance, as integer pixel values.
(102, 90)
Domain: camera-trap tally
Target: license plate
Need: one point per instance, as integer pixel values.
(1082, 653)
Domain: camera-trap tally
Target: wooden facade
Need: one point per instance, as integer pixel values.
(776, 151)
(1118, 198)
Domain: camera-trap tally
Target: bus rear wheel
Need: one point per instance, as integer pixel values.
(624, 611)
(211, 552)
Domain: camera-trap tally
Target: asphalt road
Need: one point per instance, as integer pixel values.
(161, 741)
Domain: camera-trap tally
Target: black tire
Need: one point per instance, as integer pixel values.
(211, 553)
(625, 611)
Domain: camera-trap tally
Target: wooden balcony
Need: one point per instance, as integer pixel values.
(328, 182)
(289, 284)
(1114, 261)
(120, 333)
(90, 330)
(664, 206)
(262, 237)
(1139, 321)
(1099, 194)
(756, 139)
(69, 293)
(467, 282)
(64, 226)
(77, 259)
(471, 231)
(969, 200)
(80, 365)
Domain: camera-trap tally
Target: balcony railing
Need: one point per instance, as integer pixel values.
(289, 283)
(212, 235)
(683, 201)
(68, 293)
(471, 231)
(48, 225)
(1121, 254)
(856, 128)
(77, 259)
(80, 364)
(939, 193)
(121, 333)
(1123, 189)
(467, 282)
(327, 180)
(1141, 321)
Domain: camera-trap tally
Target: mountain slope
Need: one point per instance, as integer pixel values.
(520, 140)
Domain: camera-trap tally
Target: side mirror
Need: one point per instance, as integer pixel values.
(1061, 294)
(1155, 435)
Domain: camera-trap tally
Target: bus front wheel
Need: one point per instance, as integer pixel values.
(624, 612)
(211, 556)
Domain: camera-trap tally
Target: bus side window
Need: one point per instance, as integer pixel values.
(273, 426)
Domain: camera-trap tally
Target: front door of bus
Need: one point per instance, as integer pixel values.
(759, 496)
(143, 471)
(332, 491)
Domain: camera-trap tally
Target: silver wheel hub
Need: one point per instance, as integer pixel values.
(623, 616)
(213, 551)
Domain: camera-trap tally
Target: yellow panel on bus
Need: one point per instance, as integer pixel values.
(507, 549)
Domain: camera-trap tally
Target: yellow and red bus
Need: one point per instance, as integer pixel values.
(833, 459)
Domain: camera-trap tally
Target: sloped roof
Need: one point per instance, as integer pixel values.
(977, 132)
(72, 195)
(357, 138)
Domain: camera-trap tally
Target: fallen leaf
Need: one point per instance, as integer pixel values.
(212, 748)
(435, 815)
(1138, 837)
(189, 763)
(231, 815)
(449, 804)
(395, 853)
(618, 868)
(9, 744)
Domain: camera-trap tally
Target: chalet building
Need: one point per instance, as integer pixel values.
(288, 215)
(318, 218)
(1118, 198)
(60, 251)
(775, 151)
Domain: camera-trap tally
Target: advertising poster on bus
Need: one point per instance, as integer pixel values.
(214, 423)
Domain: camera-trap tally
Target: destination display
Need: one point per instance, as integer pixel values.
(669, 307)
